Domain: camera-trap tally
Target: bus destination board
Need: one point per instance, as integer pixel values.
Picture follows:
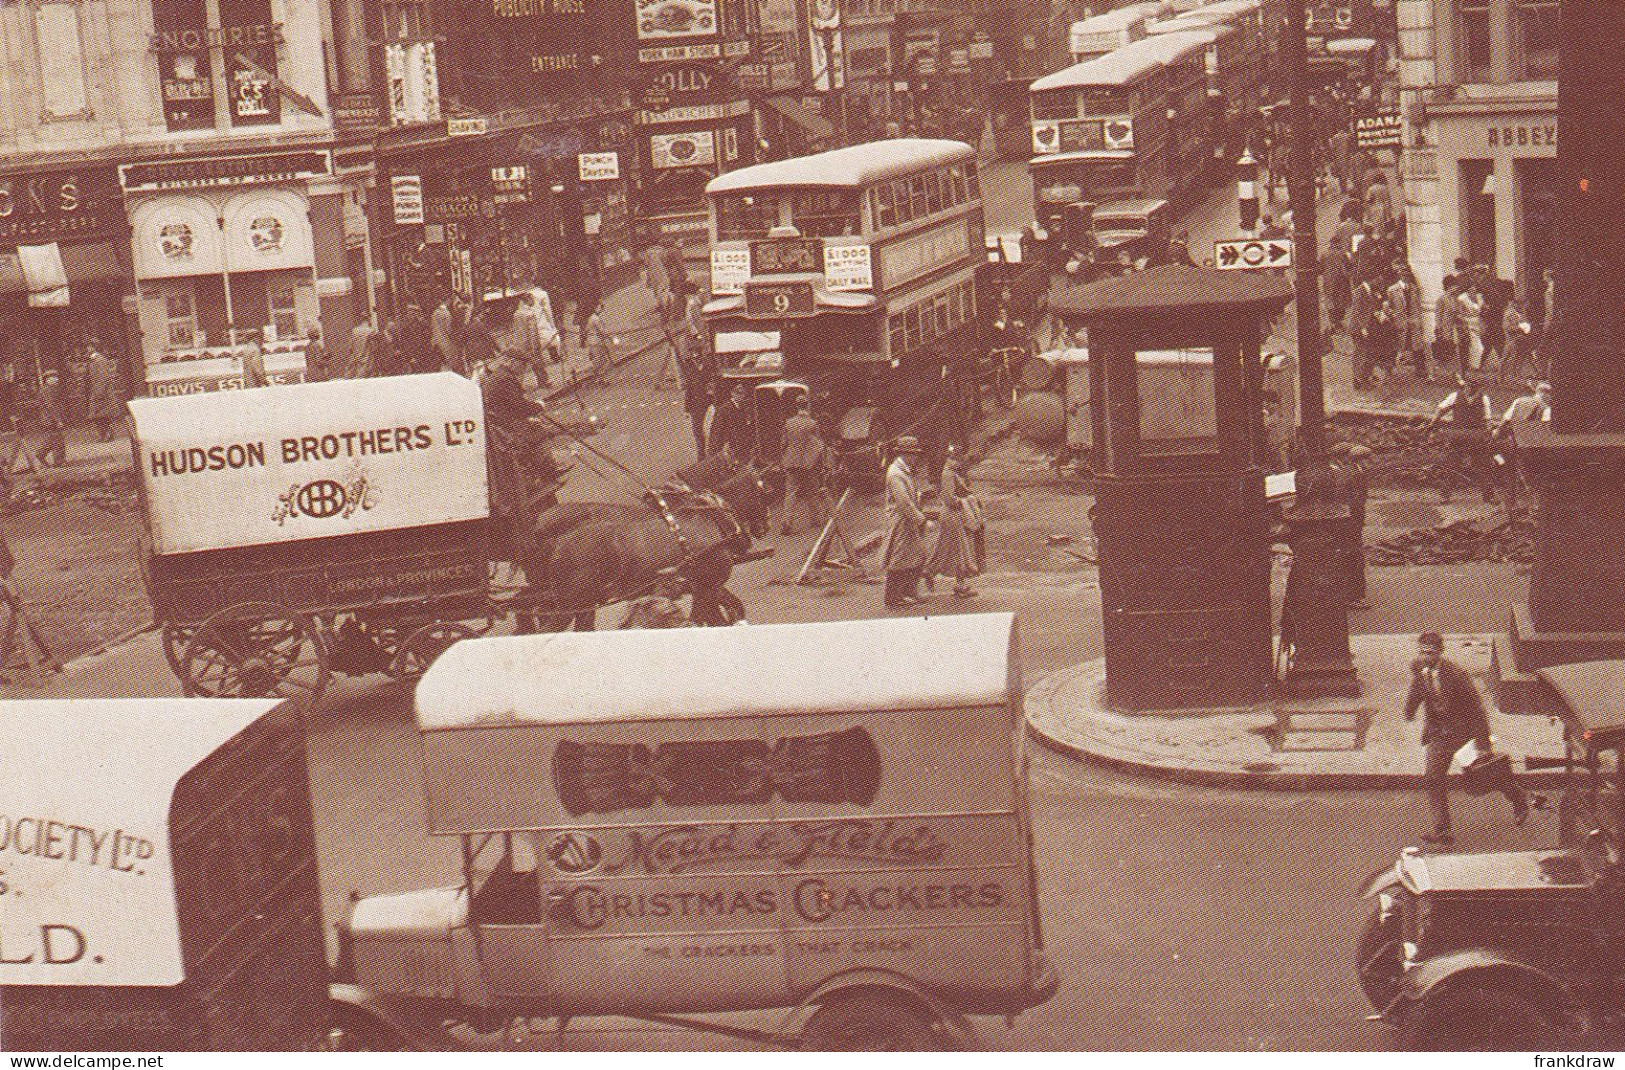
(787, 256)
(780, 299)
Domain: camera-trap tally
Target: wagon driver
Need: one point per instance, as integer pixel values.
(518, 447)
(904, 551)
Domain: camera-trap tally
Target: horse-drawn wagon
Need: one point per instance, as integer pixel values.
(301, 530)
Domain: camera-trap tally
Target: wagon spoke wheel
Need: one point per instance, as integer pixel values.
(256, 650)
(423, 646)
(174, 638)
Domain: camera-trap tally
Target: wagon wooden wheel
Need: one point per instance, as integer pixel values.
(255, 650)
(422, 647)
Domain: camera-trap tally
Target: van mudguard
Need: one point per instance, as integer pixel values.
(1461, 967)
(392, 1015)
(1385, 878)
(958, 1026)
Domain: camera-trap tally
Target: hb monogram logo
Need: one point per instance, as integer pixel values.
(326, 499)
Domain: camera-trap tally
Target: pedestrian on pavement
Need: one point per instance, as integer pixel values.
(1363, 313)
(102, 406)
(363, 349)
(806, 462)
(1534, 406)
(903, 552)
(1497, 294)
(598, 342)
(1517, 351)
(1467, 412)
(699, 376)
(1470, 325)
(1336, 284)
(53, 447)
(1404, 306)
(676, 276)
(731, 426)
(479, 344)
(1455, 717)
(956, 553)
(414, 343)
(527, 337)
(1446, 331)
(253, 360)
(1179, 250)
(387, 356)
(443, 330)
(318, 365)
(1349, 486)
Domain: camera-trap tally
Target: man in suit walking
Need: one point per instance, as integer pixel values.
(1455, 717)
(903, 552)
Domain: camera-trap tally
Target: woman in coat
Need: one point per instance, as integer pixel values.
(101, 391)
(956, 551)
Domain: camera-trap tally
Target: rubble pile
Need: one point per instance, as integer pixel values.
(1404, 452)
(1456, 542)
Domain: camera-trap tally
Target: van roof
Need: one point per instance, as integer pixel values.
(695, 673)
(96, 767)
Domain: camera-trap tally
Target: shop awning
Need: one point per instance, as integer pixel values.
(95, 261)
(45, 274)
(816, 125)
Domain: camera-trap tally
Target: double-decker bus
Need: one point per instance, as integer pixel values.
(1134, 123)
(853, 272)
(1099, 35)
(1236, 61)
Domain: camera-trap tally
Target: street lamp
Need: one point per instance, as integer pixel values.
(1314, 612)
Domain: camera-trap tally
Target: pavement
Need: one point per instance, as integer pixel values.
(1283, 743)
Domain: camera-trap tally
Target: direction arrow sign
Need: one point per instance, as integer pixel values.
(1248, 254)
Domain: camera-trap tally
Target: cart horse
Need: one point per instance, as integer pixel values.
(685, 537)
(336, 527)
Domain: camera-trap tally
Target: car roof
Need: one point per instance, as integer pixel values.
(1593, 695)
(1135, 207)
(703, 673)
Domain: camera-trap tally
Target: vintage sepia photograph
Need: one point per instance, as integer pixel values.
(630, 526)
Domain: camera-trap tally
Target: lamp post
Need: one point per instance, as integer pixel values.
(1314, 612)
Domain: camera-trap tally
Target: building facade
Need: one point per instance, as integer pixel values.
(1478, 86)
(172, 186)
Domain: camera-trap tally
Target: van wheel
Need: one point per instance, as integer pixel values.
(1378, 958)
(351, 1029)
(1479, 1019)
(870, 1023)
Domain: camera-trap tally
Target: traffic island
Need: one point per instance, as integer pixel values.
(1287, 744)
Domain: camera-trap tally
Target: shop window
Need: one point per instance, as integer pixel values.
(1473, 40)
(180, 316)
(282, 297)
(62, 61)
(1537, 31)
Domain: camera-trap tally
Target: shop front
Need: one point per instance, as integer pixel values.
(63, 274)
(224, 251)
(486, 217)
(1498, 187)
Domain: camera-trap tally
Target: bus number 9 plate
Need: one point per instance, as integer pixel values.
(781, 299)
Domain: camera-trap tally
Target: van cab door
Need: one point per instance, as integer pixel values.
(509, 917)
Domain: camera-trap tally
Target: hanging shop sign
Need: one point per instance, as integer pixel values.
(181, 40)
(406, 194)
(466, 127)
(250, 54)
(510, 185)
(692, 148)
(696, 113)
(355, 112)
(827, 49)
(679, 53)
(598, 166)
(60, 206)
(661, 19)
